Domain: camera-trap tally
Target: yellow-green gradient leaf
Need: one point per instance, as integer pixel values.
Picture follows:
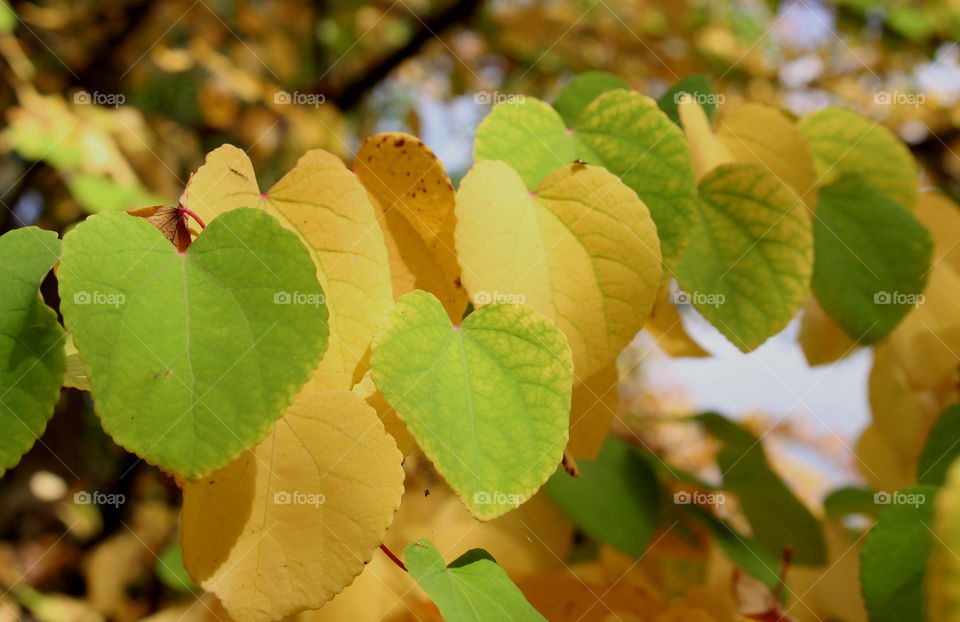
(488, 400)
(748, 266)
(582, 250)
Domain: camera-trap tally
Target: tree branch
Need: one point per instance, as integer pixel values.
(460, 12)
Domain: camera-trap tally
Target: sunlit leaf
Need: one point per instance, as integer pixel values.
(748, 265)
(191, 356)
(328, 209)
(582, 250)
(291, 522)
(488, 400)
(844, 142)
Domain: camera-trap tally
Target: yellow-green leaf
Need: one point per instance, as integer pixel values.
(765, 135)
(747, 268)
(843, 141)
(582, 250)
(488, 400)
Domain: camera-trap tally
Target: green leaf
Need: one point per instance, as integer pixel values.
(193, 356)
(627, 134)
(742, 549)
(777, 518)
(31, 342)
(871, 258)
(699, 87)
(582, 90)
(488, 401)
(941, 449)
(894, 557)
(621, 130)
(748, 264)
(615, 499)
(942, 589)
(529, 135)
(850, 500)
(844, 142)
(473, 588)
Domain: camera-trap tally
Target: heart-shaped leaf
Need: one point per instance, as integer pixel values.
(748, 265)
(192, 356)
(473, 588)
(582, 250)
(291, 522)
(324, 204)
(622, 131)
(31, 342)
(488, 401)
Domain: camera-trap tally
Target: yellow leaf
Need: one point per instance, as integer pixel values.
(666, 326)
(880, 463)
(388, 416)
(414, 200)
(291, 522)
(327, 207)
(706, 151)
(889, 448)
(822, 593)
(592, 408)
(927, 341)
(582, 250)
(765, 135)
(941, 217)
(380, 593)
(822, 339)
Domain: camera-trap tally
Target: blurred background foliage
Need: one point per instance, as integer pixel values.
(109, 104)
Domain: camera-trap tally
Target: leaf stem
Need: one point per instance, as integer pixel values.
(393, 557)
(192, 214)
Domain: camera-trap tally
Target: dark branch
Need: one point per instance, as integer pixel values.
(352, 93)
